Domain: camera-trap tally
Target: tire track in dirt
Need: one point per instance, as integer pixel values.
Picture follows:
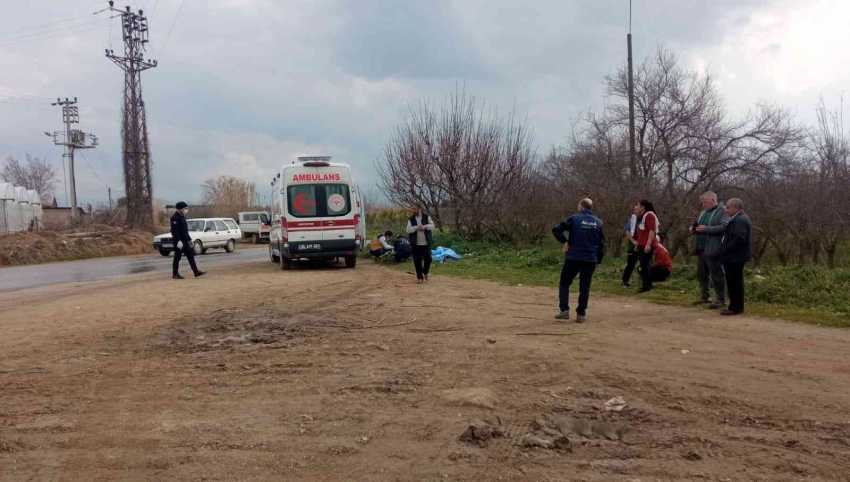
(834, 469)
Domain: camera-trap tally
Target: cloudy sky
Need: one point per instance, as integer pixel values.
(246, 85)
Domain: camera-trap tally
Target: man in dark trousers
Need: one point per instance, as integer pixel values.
(632, 256)
(735, 252)
(180, 233)
(401, 249)
(583, 252)
(419, 228)
(709, 229)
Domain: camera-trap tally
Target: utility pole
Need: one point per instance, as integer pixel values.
(632, 153)
(109, 189)
(73, 139)
(134, 131)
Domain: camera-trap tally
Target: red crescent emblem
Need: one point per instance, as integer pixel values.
(301, 202)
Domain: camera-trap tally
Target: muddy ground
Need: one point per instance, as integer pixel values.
(52, 245)
(324, 374)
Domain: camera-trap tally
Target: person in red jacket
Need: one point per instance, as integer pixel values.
(663, 263)
(648, 227)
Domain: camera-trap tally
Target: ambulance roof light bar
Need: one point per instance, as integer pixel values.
(315, 161)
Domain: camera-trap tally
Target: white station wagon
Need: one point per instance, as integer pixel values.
(206, 233)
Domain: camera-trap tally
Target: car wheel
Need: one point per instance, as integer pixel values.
(285, 263)
(350, 261)
(199, 248)
(230, 246)
(275, 259)
(165, 252)
(255, 238)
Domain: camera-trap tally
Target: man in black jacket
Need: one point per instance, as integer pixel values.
(583, 252)
(180, 233)
(735, 252)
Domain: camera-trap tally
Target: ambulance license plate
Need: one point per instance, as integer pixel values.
(306, 247)
(167, 245)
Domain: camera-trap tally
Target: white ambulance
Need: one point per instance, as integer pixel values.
(317, 213)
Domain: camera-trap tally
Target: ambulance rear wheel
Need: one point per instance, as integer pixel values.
(285, 263)
(350, 261)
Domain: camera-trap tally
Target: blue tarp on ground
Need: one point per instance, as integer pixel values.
(440, 254)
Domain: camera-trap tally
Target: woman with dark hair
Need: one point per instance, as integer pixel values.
(648, 227)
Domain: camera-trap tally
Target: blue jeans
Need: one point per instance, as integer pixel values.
(584, 270)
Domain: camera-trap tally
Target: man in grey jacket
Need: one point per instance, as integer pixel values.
(709, 229)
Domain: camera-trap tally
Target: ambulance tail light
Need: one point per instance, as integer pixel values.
(284, 233)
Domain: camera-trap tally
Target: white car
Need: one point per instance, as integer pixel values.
(206, 233)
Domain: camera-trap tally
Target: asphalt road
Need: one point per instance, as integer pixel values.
(94, 269)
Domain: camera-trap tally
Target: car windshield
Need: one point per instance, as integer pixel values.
(195, 225)
(264, 218)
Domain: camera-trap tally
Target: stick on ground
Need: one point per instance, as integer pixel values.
(535, 333)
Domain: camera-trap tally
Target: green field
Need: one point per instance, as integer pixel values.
(805, 293)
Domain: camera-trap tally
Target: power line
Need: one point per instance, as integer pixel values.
(104, 114)
(153, 11)
(38, 39)
(93, 171)
(33, 27)
(20, 35)
(170, 29)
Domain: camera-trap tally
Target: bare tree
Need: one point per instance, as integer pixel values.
(37, 174)
(229, 195)
(469, 167)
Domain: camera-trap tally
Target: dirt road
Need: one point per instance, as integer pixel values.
(254, 374)
(22, 277)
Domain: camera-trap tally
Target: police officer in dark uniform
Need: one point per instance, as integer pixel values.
(180, 233)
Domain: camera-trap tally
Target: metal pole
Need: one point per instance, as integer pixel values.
(65, 174)
(632, 153)
(74, 215)
(71, 180)
(110, 198)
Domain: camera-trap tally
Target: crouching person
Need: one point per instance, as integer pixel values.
(402, 249)
(379, 246)
(663, 266)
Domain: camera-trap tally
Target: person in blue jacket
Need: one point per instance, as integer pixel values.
(583, 252)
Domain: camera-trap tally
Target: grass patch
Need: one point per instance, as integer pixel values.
(809, 294)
